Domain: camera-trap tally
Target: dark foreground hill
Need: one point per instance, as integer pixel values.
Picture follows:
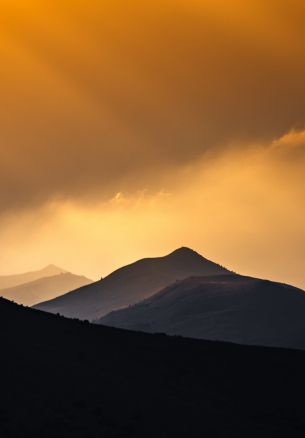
(228, 308)
(131, 284)
(44, 288)
(62, 378)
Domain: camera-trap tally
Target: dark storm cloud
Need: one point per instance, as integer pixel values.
(99, 97)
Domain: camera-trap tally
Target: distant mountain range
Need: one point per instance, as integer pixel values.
(131, 284)
(185, 294)
(62, 378)
(227, 308)
(7, 281)
(44, 288)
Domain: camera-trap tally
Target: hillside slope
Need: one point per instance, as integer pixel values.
(131, 284)
(228, 308)
(64, 379)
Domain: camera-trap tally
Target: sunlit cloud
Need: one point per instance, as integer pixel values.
(243, 208)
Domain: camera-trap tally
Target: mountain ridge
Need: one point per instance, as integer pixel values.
(12, 280)
(231, 308)
(131, 283)
(44, 288)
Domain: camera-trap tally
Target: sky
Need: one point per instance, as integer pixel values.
(129, 128)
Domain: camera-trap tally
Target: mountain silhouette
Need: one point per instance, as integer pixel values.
(7, 281)
(131, 284)
(64, 378)
(44, 288)
(228, 308)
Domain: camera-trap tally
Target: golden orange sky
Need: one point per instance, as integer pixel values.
(129, 128)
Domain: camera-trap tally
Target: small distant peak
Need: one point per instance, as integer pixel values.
(184, 251)
(54, 269)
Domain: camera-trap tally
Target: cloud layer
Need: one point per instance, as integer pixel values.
(243, 208)
(104, 97)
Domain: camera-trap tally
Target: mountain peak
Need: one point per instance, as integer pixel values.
(184, 251)
(53, 270)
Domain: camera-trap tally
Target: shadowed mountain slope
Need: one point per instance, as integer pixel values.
(228, 308)
(64, 379)
(7, 281)
(131, 284)
(44, 288)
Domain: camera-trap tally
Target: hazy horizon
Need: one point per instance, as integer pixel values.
(96, 275)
